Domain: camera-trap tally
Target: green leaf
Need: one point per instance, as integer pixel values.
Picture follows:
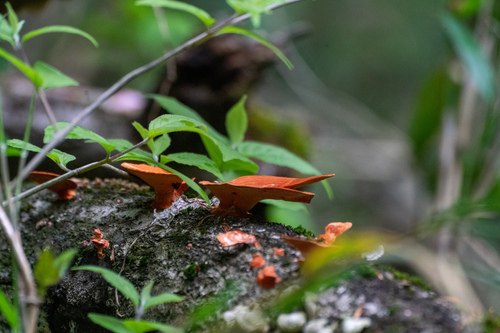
(6, 32)
(13, 20)
(226, 158)
(59, 157)
(280, 156)
(51, 77)
(144, 133)
(142, 326)
(197, 160)
(237, 121)
(49, 270)
(260, 39)
(253, 7)
(63, 261)
(177, 5)
(8, 311)
(59, 28)
(119, 282)
(25, 69)
(113, 324)
(78, 132)
(477, 64)
(276, 155)
(45, 272)
(172, 123)
(161, 299)
(173, 106)
(159, 145)
(430, 105)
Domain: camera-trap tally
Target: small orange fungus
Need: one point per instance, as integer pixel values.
(167, 185)
(267, 278)
(305, 245)
(234, 237)
(333, 230)
(257, 260)
(100, 243)
(278, 252)
(64, 190)
(239, 195)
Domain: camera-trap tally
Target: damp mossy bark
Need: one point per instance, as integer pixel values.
(176, 247)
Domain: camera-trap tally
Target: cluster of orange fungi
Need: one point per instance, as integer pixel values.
(236, 197)
(267, 277)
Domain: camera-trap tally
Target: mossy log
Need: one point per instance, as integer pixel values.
(179, 250)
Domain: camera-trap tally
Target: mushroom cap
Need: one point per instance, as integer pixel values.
(238, 196)
(64, 190)
(167, 186)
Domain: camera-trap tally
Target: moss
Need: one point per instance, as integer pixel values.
(303, 231)
(367, 271)
(187, 210)
(414, 280)
(491, 322)
(190, 271)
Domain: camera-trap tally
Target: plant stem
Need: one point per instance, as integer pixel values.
(27, 289)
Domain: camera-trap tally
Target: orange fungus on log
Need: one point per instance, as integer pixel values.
(239, 195)
(64, 190)
(167, 185)
(267, 278)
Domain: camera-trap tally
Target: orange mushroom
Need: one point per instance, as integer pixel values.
(100, 243)
(257, 260)
(267, 278)
(278, 252)
(234, 237)
(64, 190)
(167, 185)
(238, 196)
(332, 231)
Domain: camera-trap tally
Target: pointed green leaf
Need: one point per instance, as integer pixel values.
(173, 106)
(182, 6)
(143, 326)
(8, 311)
(13, 20)
(63, 261)
(227, 158)
(59, 157)
(78, 132)
(237, 121)
(59, 28)
(161, 299)
(477, 64)
(119, 282)
(160, 144)
(52, 77)
(197, 160)
(172, 123)
(6, 32)
(111, 323)
(25, 69)
(44, 272)
(144, 133)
